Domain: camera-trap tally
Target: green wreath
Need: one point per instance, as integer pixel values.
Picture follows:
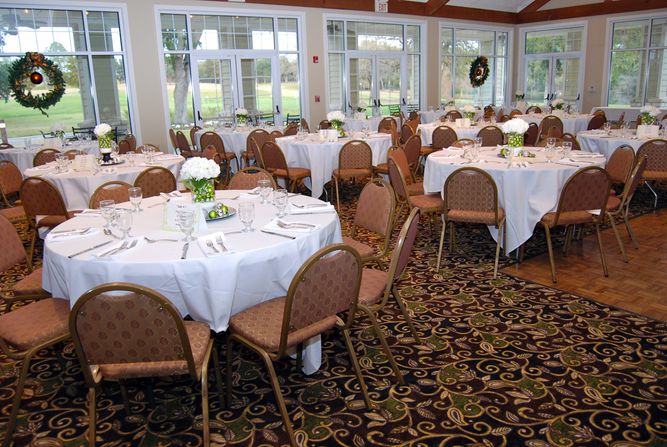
(479, 71)
(30, 68)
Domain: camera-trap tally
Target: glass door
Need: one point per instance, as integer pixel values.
(566, 79)
(552, 77)
(538, 82)
(389, 81)
(214, 89)
(257, 86)
(360, 83)
(375, 81)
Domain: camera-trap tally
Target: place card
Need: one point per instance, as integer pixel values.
(169, 216)
(84, 163)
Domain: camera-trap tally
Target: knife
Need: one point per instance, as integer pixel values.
(185, 250)
(90, 249)
(277, 234)
(72, 231)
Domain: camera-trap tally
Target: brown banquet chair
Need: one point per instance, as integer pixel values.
(184, 146)
(620, 164)
(550, 126)
(656, 169)
(155, 180)
(427, 203)
(124, 147)
(226, 157)
(193, 139)
(126, 331)
(275, 163)
(247, 178)
(272, 328)
(44, 156)
(325, 124)
(530, 137)
(534, 109)
(10, 182)
(355, 161)
(412, 149)
(386, 125)
(571, 138)
(173, 140)
(443, 137)
(597, 121)
(260, 136)
(491, 136)
(115, 190)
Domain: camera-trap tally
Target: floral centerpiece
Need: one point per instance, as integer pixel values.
(241, 115)
(519, 95)
(337, 118)
(557, 104)
(648, 115)
(469, 111)
(198, 174)
(104, 133)
(58, 130)
(514, 129)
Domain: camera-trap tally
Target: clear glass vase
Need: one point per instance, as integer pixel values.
(202, 190)
(515, 140)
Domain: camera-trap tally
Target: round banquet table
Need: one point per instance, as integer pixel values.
(526, 192)
(257, 267)
(234, 139)
(571, 123)
(22, 157)
(597, 141)
(76, 187)
(371, 123)
(322, 158)
(426, 131)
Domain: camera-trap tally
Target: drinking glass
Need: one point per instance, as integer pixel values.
(265, 189)
(108, 211)
(550, 153)
(185, 219)
(135, 198)
(624, 129)
(551, 142)
(607, 127)
(27, 142)
(567, 148)
(478, 142)
(124, 222)
(280, 201)
(467, 152)
(247, 215)
(60, 163)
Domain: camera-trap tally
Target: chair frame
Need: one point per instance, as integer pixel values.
(490, 128)
(340, 176)
(102, 187)
(291, 184)
(44, 152)
(4, 193)
(640, 152)
(145, 172)
(254, 170)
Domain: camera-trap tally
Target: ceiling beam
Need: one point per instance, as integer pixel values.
(452, 12)
(434, 5)
(594, 9)
(534, 6)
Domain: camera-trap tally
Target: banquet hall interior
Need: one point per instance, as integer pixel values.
(333, 223)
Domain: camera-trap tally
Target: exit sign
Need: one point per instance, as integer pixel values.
(381, 6)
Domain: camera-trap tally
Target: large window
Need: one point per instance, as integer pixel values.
(459, 47)
(217, 63)
(373, 65)
(553, 65)
(88, 46)
(638, 63)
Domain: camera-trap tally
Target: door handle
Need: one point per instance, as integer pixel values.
(278, 110)
(199, 116)
(403, 99)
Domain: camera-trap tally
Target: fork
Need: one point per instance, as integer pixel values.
(113, 251)
(152, 241)
(209, 244)
(110, 233)
(310, 205)
(288, 225)
(221, 243)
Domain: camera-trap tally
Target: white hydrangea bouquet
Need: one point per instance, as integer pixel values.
(469, 111)
(241, 115)
(558, 104)
(198, 174)
(337, 118)
(649, 115)
(58, 130)
(514, 129)
(104, 132)
(519, 95)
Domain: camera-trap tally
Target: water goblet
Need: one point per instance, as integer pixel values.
(136, 196)
(264, 190)
(124, 222)
(567, 148)
(478, 142)
(185, 219)
(27, 142)
(551, 142)
(550, 153)
(247, 215)
(607, 127)
(280, 201)
(108, 210)
(60, 163)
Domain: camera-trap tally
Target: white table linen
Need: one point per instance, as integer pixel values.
(526, 193)
(23, 157)
(571, 123)
(259, 266)
(322, 158)
(597, 141)
(426, 131)
(76, 187)
(371, 123)
(234, 139)
(631, 113)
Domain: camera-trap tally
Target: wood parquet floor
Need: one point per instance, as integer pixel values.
(639, 286)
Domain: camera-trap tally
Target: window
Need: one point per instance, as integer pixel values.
(459, 47)
(216, 63)
(638, 63)
(373, 64)
(88, 47)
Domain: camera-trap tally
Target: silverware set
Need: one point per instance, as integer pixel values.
(126, 245)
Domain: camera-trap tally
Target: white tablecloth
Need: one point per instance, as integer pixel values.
(571, 123)
(209, 289)
(426, 131)
(371, 123)
(322, 158)
(601, 143)
(526, 193)
(77, 187)
(22, 157)
(233, 139)
(614, 113)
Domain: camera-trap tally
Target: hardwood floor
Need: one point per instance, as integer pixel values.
(639, 286)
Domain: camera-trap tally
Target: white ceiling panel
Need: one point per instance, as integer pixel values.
(553, 4)
(496, 5)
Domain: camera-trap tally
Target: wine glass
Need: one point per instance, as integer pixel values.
(478, 142)
(550, 153)
(551, 142)
(567, 148)
(108, 211)
(185, 219)
(135, 198)
(280, 201)
(247, 215)
(265, 189)
(124, 222)
(60, 162)
(607, 127)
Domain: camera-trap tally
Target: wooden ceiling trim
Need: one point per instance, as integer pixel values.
(594, 9)
(452, 12)
(434, 5)
(534, 6)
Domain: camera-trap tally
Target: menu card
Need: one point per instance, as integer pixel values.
(84, 163)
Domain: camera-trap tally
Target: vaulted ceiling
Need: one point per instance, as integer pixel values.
(502, 11)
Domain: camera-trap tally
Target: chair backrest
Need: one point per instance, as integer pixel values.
(193, 131)
(597, 121)
(183, 145)
(155, 180)
(131, 140)
(656, 152)
(620, 164)
(406, 132)
(276, 134)
(124, 147)
(403, 249)
(413, 115)
(273, 157)
(10, 178)
(414, 124)
(470, 189)
(633, 181)
(515, 112)
(530, 137)
(122, 323)
(571, 138)
(291, 129)
(443, 136)
(534, 109)
(325, 285)
(142, 148)
(386, 125)
(6, 146)
(247, 178)
(503, 118)
(587, 189)
(549, 122)
(173, 139)
(304, 125)
(401, 160)
(462, 142)
(12, 248)
(213, 139)
(40, 198)
(261, 136)
(375, 209)
(325, 124)
(210, 152)
(114, 190)
(44, 156)
(454, 114)
(71, 154)
(396, 176)
(355, 154)
(412, 148)
(491, 136)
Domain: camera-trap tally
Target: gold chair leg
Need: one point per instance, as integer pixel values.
(552, 263)
(337, 194)
(383, 343)
(218, 376)
(92, 417)
(124, 396)
(504, 238)
(229, 370)
(204, 404)
(618, 237)
(16, 402)
(279, 396)
(631, 232)
(604, 261)
(31, 250)
(406, 315)
(357, 368)
(442, 242)
(495, 266)
(569, 230)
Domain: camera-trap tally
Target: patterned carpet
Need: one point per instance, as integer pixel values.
(504, 363)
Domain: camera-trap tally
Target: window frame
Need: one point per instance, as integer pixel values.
(477, 27)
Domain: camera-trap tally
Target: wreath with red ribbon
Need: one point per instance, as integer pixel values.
(479, 71)
(32, 68)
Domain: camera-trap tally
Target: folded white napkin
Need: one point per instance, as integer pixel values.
(46, 167)
(89, 213)
(579, 154)
(311, 208)
(253, 194)
(75, 233)
(135, 244)
(447, 153)
(301, 227)
(579, 163)
(170, 195)
(208, 251)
